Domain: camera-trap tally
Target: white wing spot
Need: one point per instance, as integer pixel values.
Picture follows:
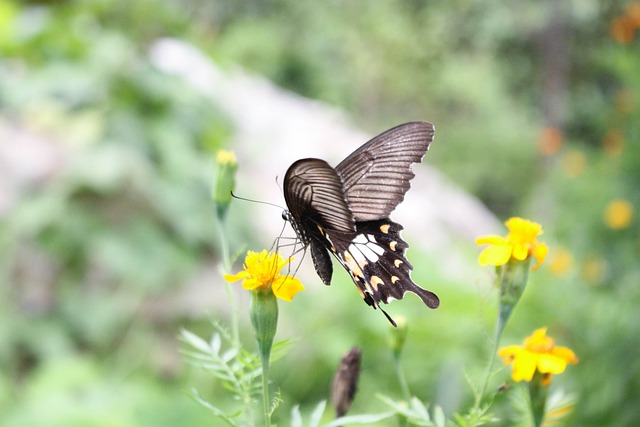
(398, 263)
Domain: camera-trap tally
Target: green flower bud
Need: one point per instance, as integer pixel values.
(225, 181)
(264, 318)
(398, 336)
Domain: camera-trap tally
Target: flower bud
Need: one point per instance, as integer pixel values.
(345, 382)
(264, 319)
(225, 181)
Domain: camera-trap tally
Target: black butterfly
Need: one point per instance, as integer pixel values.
(346, 210)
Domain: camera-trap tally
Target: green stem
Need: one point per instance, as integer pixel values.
(226, 266)
(402, 379)
(266, 401)
(538, 396)
(264, 318)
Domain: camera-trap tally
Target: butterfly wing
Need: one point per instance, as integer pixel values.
(375, 259)
(314, 195)
(376, 176)
(315, 198)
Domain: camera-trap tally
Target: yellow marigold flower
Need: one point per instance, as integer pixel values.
(539, 353)
(618, 214)
(262, 272)
(520, 243)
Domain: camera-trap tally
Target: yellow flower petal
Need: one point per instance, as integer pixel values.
(509, 353)
(520, 251)
(235, 277)
(495, 255)
(550, 364)
(524, 366)
(540, 252)
(491, 239)
(286, 287)
(565, 353)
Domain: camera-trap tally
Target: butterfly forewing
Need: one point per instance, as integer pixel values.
(315, 196)
(376, 176)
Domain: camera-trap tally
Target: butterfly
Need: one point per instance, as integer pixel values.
(345, 211)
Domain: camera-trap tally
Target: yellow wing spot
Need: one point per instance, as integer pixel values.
(355, 268)
(393, 245)
(398, 263)
(394, 279)
(376, 281)
(385, 228)
(320, 229)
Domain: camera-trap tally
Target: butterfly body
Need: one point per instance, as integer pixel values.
(345, 211)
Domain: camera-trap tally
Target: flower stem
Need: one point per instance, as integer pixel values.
(402, 379)
(538, 396)
(226, 267)
(266, 402)
(264, 318)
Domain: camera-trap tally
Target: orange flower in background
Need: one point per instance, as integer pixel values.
(551, 140)
(618, 214)
(539, 353)
(633, 12)
(622, 30)
(520, 243)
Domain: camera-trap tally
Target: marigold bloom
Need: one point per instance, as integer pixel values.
(623, 29)
(618, 214)
(262, 272)
(539, 353)
(520, 243)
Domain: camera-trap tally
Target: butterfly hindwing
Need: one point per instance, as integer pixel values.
(375, 258)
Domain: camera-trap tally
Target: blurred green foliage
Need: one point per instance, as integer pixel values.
(129, 220)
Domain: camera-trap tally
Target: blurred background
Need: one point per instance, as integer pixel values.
(111, 112)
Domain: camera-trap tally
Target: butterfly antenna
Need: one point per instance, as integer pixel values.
(255, 201)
